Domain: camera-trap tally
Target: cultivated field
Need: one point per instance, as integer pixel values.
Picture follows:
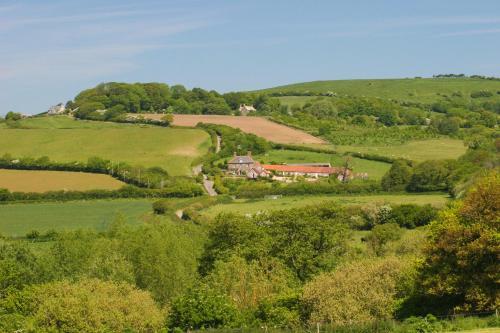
(68, 140)
(435, 149)
(44, 181)
(18, 219)
(245, 206)
(417, 90)
(374, 169)
(259, 126)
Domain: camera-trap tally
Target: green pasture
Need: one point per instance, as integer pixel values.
(374, 169)
(418, 90)
(245, 206)
(60, 122)
(418, 150)
(64, 139)
(20, 218)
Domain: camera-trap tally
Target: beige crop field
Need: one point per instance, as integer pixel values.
(44, 181)
(256, 125)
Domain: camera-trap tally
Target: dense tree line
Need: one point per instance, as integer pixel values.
(112, 100)
(443, 175)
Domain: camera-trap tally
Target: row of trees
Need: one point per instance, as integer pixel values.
(110, 101)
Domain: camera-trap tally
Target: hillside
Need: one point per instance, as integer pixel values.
(63, 139)
(416, 90)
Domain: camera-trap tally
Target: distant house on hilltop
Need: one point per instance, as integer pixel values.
(56, 109)
(246, 109)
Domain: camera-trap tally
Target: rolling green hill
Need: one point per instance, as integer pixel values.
(64, 140)
(417, 90)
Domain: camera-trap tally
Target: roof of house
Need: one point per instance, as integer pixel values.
(303, 169)
(241, 160)
(326, 164)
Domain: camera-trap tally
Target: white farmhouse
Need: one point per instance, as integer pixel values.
(56, 109)
(246, 109)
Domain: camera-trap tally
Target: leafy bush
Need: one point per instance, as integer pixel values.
(481, 93)
(202, 308)
(162, 207)
(359, 292)
(398, 176)
(88, 305)
(411, 216)
(382, 234)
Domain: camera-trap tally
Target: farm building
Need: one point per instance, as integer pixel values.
(246, 166)
(56, 109)
(246, 109)
(309, 171)
(240, 165)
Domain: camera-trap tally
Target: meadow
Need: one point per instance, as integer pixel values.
(374, 169)
(426, 90)
(17, 220)
(63, 140)
(244, 206)
(44, 181)
(417, 150)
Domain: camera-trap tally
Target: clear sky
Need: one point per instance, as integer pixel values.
(50, 50)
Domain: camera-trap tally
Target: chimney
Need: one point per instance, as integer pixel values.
(234, 154)
(249, 153)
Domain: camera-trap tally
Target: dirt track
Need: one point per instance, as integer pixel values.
(256, 125)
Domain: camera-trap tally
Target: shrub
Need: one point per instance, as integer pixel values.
(398, 176)
(162, 207)
(202, 308)
(89, 305)
(411, 216)
(382, 234)
(359, 292)
(481, 93)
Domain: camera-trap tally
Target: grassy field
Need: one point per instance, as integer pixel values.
(171, 148)
(417, 90)
(434, 149)
(44, 181)
(374, 169)
(244, 206)
(19, 219)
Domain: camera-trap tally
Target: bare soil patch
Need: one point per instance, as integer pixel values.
(256, 125)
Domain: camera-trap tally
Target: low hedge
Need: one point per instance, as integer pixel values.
(260, 189)
(138, 176)
(128, 191)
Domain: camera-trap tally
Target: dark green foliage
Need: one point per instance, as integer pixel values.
(430, 176)
(261, 189)
(382, 234)
(411, 216)
(448, 125)
(236, 141)
(112, 100)
(202, 308)
(13, 116)
(306, 240)
(162, 207)
(481, 93)
(398, 176)
(281, 311)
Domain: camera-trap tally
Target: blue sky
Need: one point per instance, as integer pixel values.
(50, 50)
